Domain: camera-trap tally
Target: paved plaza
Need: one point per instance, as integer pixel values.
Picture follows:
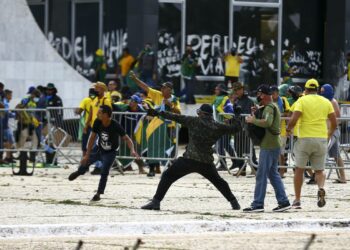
(46, 211)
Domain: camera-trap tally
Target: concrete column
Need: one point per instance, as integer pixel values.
(336, 41)
(142, 24)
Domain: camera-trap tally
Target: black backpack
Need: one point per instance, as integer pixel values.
(256, 133)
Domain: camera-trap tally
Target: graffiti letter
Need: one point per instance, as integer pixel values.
(66, 48)
(191, 38)
(205, 44)
(77, 49)
(241, 43)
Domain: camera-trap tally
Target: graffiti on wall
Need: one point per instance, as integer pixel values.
(113, 43)
(169, 55)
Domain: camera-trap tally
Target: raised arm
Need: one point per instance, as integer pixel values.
(139, 83)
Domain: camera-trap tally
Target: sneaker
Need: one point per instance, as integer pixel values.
(152, 205)
(235, 205)
(282, 208)
(320, 195)
(296, 205)
(96, 171)
(96, 197)
(73, 176)
(253, 209)
(151, 174)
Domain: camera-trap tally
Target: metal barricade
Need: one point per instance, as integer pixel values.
(155, 139)
(22, 137)
(238, 148)
(65, 134)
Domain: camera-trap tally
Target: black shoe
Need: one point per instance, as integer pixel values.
(321, 200)
(96, 171)
(96, 197)
(312, 181)
(153, 205)
(151, 174)
(235, 205)
(252, 209)
(73, 176)
(282, 208)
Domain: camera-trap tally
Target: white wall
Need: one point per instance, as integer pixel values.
(26, 57)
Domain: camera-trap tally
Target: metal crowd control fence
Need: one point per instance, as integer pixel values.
(239, 146)
(155, 139)
(53, 135)
(23, 137)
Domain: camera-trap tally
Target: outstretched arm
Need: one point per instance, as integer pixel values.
(182, 119)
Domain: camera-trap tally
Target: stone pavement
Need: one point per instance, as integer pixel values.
(46, 211)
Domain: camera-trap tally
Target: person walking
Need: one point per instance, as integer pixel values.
(312, 139)
(269, 154)
(108, 132)
(198, 158)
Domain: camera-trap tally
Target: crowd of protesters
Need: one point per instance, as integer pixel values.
(136, 90)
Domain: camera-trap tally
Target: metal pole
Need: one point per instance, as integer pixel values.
(46, 25)
(279, 43)
(183, 34)
(73, 32)
(231, 10)
(100, 24)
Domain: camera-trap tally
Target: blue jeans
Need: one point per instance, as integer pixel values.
(268, 168)
(107, 159)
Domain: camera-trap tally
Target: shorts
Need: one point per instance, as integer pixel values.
(334, 144)
(311, 149)
(8, 136)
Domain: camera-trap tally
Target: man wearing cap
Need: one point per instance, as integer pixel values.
(269, 154)
(101, 99)
(312, 139)
(163, 101)
(198, 158)
(243, 101)
(53, 100)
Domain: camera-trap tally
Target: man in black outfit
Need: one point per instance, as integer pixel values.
(108, 132)
(203, 132)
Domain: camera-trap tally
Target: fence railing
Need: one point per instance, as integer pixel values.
(56, 133)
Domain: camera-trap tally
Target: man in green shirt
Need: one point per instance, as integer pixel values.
(269, 153)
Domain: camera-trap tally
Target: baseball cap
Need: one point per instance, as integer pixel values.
(311, 84)
(168, 84)
(30, 89)
(136, 98)
(237, 86)
(50, 86)
(265, 89)
(274, 88)
(206, 108)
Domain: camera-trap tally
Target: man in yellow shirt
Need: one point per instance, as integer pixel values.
(163, 101)
(312, 111)
(101, 99)
(232, 66)
(125, 64)
(85, 106)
